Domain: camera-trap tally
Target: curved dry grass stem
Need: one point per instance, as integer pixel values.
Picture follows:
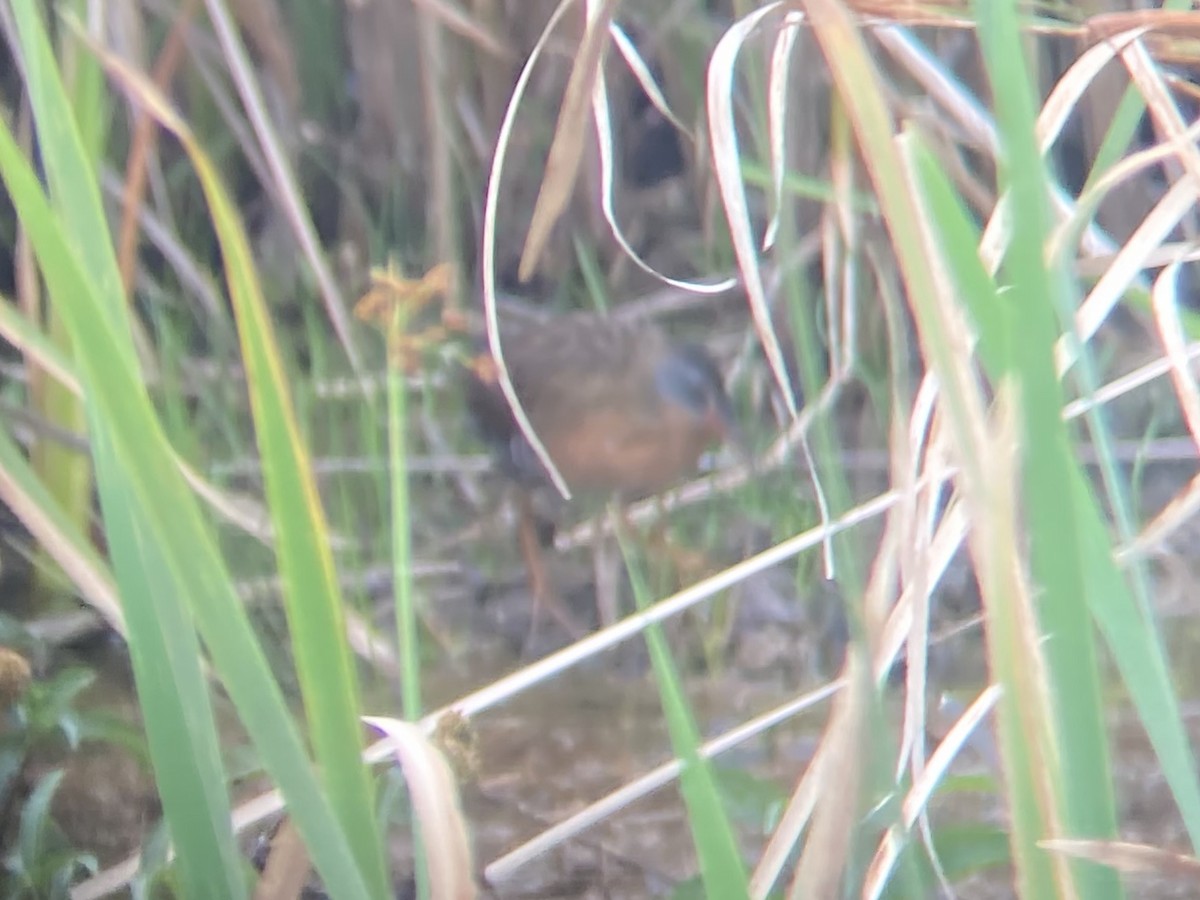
(488, 253)
(645, 78)
(604, 145)
(1165, 304)
(777, 115)
(726, 162)
(1178, 361)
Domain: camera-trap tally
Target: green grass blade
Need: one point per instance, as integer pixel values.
(860, 86)
(172, 690)
(163, 646)
(1133, 641)
(721, 866)
(192, 788)
(70, 170)
(1057, 555)
(408, 637)
(324, 663)
(168, 516)
(67, 475)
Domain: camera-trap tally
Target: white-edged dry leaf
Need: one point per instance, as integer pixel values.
(1164, 302)
(434, 794)
(727, 165)
(777, 118)
(487, 263)
(604, 147)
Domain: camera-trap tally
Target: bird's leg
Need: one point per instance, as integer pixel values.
(545, 597)
(687, 564)
(625, 529)
(605, 570)
(676, 566)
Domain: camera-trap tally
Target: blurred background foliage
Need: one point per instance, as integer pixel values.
(353, 136)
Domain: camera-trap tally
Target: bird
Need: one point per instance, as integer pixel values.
(622, 409)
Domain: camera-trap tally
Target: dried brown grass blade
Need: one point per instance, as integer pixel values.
(819, 871)
(996, 549)
(145, 134)
(455, 20)
(910, 12)
(287, 868)
(1126, 857)
(1105, 25)
(81, 564)
(566, 150)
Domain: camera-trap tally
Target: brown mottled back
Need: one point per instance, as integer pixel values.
(593, 390)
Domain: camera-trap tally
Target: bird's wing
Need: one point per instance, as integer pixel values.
(574, 365)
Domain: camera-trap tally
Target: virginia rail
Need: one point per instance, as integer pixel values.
(621, 409)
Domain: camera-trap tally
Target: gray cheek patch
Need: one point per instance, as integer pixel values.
(679, 380)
